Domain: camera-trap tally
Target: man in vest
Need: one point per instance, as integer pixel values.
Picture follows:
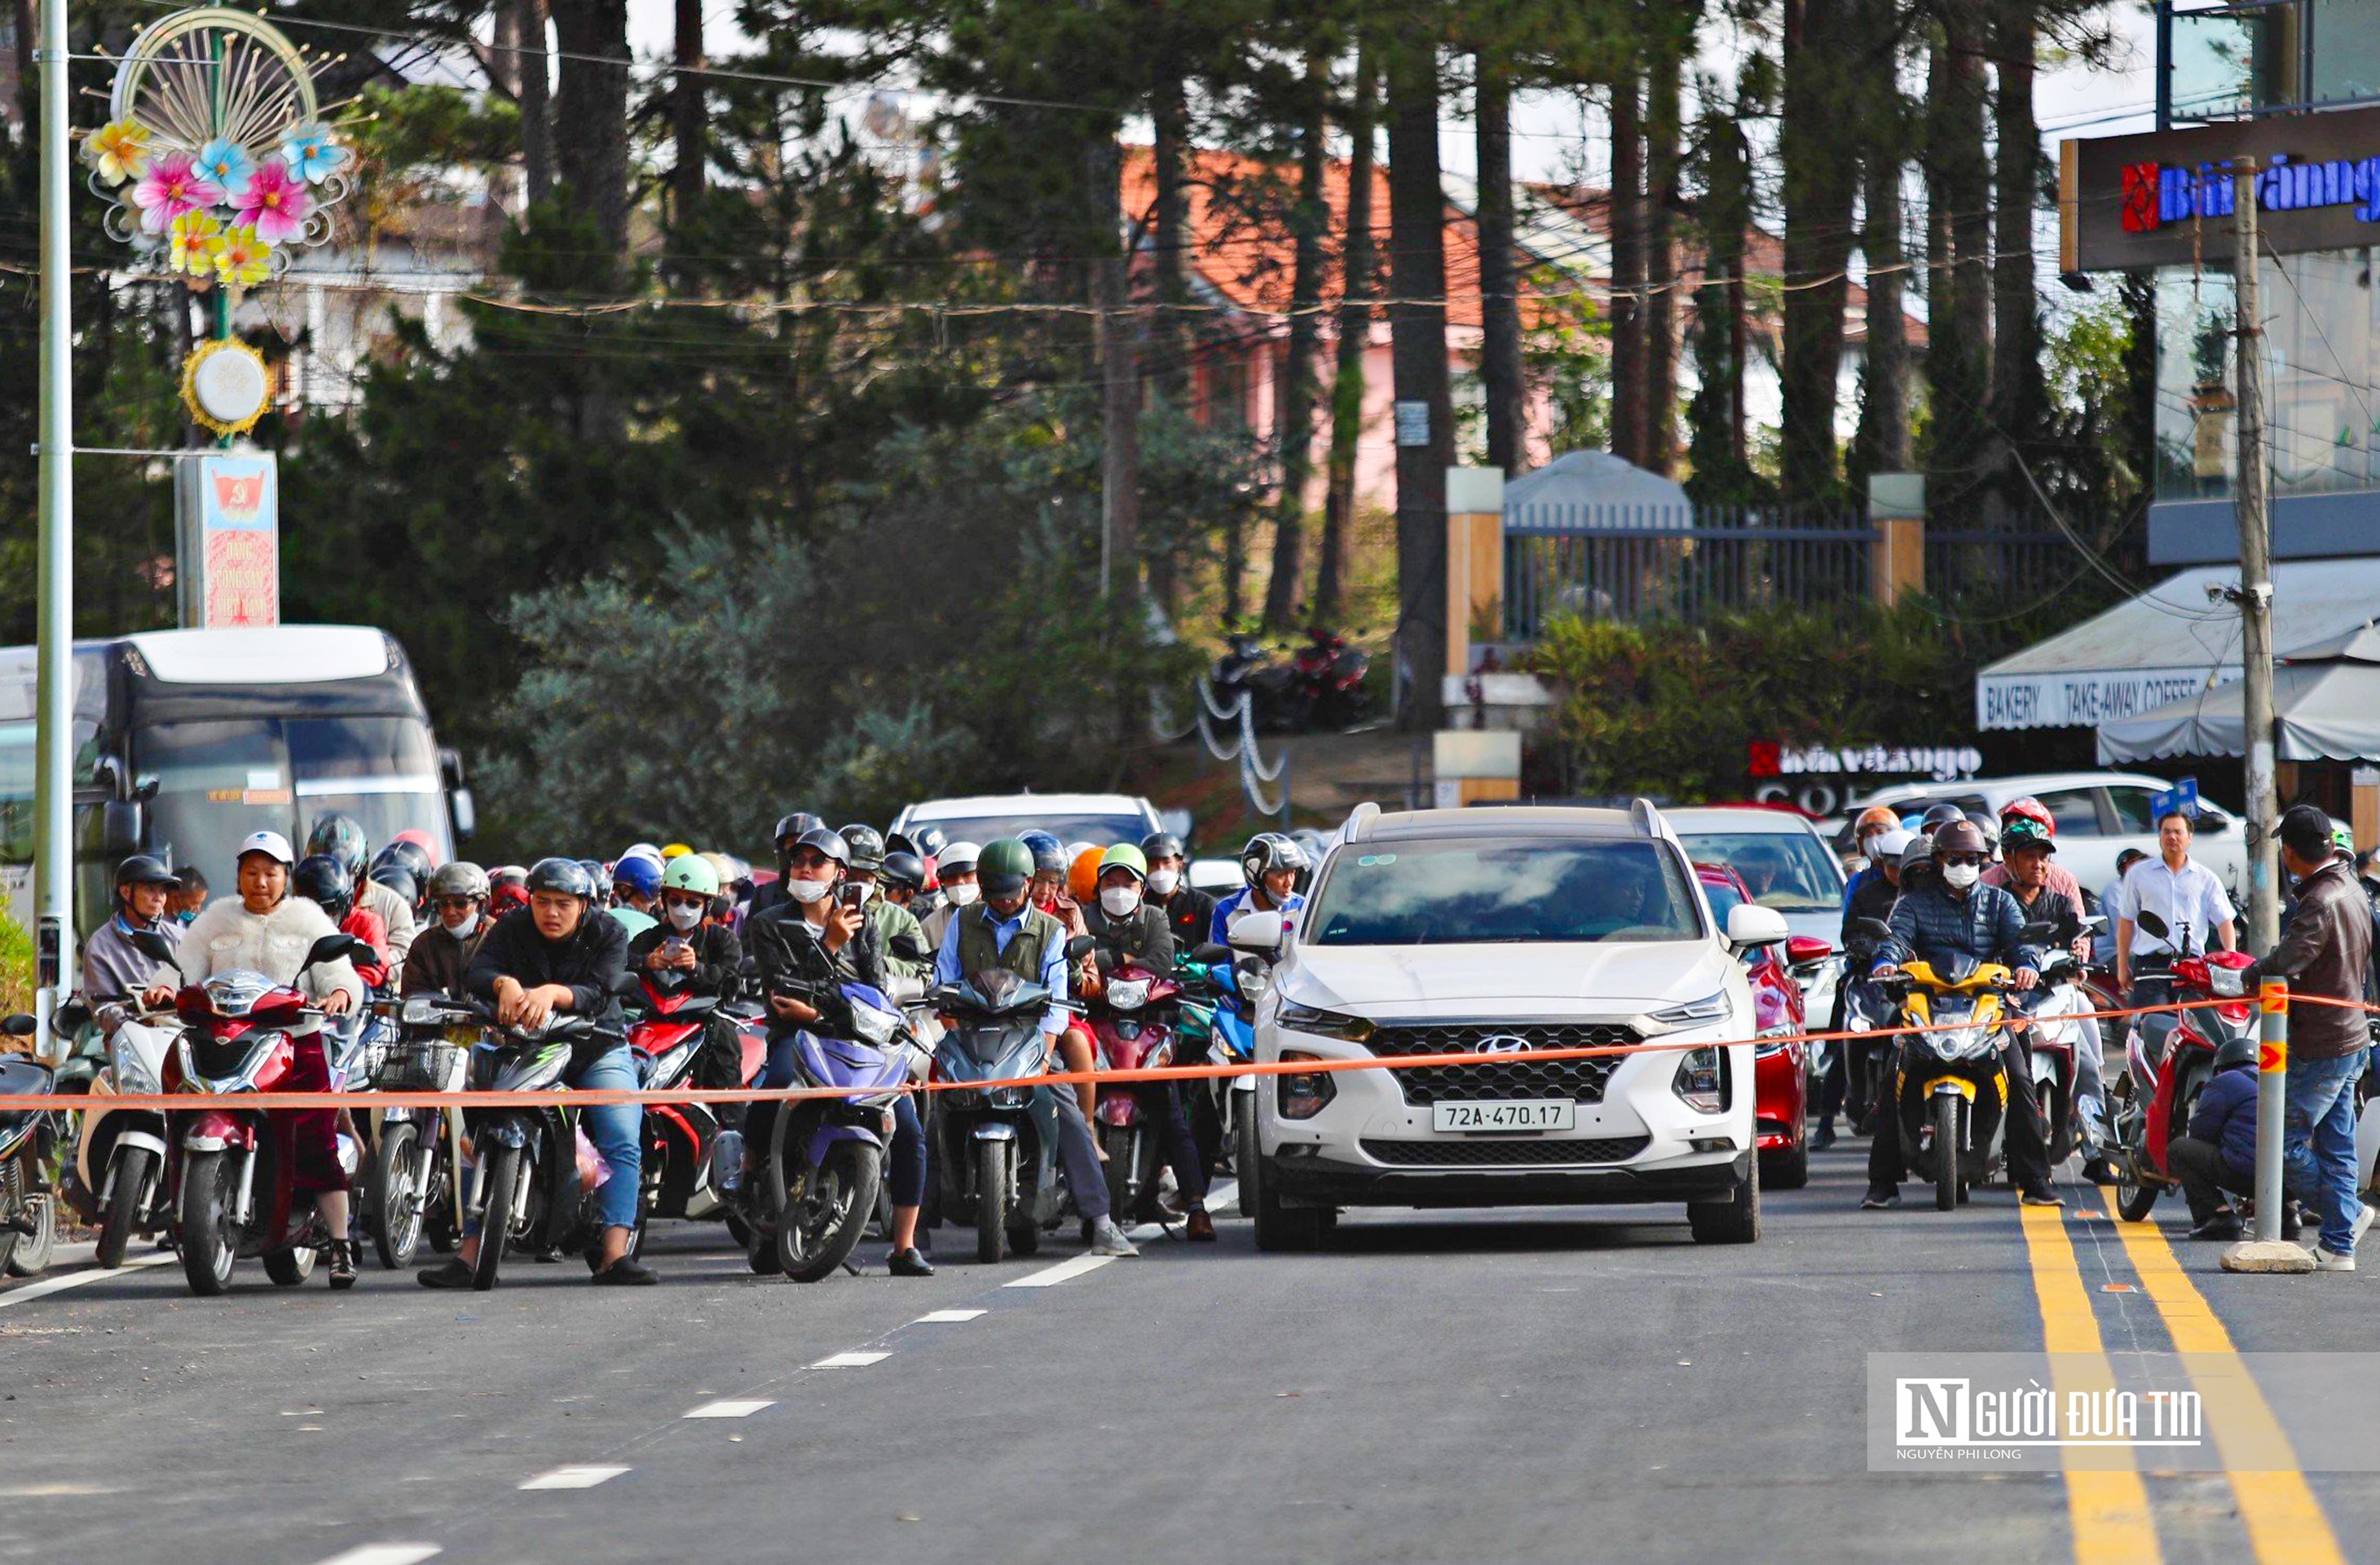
(1005, 930)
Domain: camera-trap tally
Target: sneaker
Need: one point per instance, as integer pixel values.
(2362, 1222)
(626, 1273)
(1823, 1137)
(453, 1274)
(1879, 1198)
(2098, 1170)
(2292, 1221)
(909, 1263)
(343, 1263)
(1200, 1228)
(2325, 1261)
(2222, 1227)
(2043, 1196)
(1107, 1239)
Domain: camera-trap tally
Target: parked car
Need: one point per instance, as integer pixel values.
(1790, 868)
(2099, 814)
(1781, 1073)
(1501, 932)
(1101, 818)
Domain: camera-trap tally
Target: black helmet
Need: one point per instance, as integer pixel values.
(323, 880)
(1269, 851)
(1161, 845)
(2235, 1052)
(793, 828)
(145, 869)
(930, 840)
(596, 879)
(867, 847)
(564, 875)
(412, 857)
(398, 879)
(1937, 817)
(906, 870)
(830, 843)
(338, 836)
(1048, 853)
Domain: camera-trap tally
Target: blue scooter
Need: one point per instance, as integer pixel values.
(1231, 985)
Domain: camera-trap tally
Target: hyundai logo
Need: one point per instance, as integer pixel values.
(1502, 1043)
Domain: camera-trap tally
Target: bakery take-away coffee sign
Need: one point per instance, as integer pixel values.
(2166, 197)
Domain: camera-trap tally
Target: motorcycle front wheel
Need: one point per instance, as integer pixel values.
(34, 1249)
(400, 1191)
(496, 1216)
(820, 1232)
(991, 1200)
(208, 1252)
(123, 1214)
(1946, 1152)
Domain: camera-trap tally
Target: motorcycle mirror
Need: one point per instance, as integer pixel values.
(1210, 953)
(330, 947)
(909, 948)
(19, 1026)
(155, 947)
(2039, 929)
(1875, 926)
(2095, 925)
(70, 1018)
(2157, 926)
(623, 983)
(1079, 947)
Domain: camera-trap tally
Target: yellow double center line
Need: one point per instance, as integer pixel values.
(2107, 1501)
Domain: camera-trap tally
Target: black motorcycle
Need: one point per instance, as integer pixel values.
(28, 1203)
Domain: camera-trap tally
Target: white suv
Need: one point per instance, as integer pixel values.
(1498, 933)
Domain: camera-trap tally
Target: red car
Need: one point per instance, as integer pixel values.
(1781, 1069)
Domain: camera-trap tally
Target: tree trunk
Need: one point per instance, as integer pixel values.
(590, 139)
(21, 11)
(1169, 241)
(536, 99)
(1355, 267)
(1722, 471)
(2018, 394)
(1499, 310)
(1661, 200)
(1627, 420)
(1820, 177)
(1417, 325)
(1119, 351)
(1293, 405)
(2139, 293)
(1958, 221)
(689, 112)
(1881, 444)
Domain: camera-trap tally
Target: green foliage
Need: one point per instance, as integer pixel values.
(16, 967)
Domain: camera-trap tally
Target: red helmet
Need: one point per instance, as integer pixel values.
(2029, 808)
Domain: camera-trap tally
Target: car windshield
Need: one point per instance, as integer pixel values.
(1100, 831)
(1468, 890)
(1790, 871)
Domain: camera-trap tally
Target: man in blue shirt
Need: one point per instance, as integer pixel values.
(1006, 930)
(1270, 865)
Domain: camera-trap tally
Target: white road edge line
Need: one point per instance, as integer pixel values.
(43, 1287)
(729, 1409)
(850, 1361)
(1064, 1271)
(585, 1477)
(947, 1317)
(386, 1553)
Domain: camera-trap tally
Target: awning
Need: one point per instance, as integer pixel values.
(2169, 643)
(2326, 707)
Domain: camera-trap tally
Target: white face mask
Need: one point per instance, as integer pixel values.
(1162, 881)
(964, 893)
(687, 917)
(1121, 902)
(1959, 877)
(807, 890)
(462, 927)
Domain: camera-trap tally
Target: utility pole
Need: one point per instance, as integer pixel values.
(2256, 575)
(54, 697)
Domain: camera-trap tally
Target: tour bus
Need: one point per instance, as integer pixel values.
(186, 741)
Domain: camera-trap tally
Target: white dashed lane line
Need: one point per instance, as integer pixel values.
(850, 1361)
(387, 1554)
(729, 1409)
(947, 1317)
(574, 1477)
(1064, 1271)
(43, 1287)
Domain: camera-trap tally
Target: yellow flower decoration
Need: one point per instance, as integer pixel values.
(243, 261)
(119, 151)
(197, 241)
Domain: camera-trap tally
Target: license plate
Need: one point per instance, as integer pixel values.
(1505, 1114)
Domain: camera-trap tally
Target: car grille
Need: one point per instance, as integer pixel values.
(1511, 1075)
(1486, 1154)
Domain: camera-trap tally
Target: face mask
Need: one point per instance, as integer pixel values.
(184, 917)
(1959, 877)
(463, 930)
(1162, 881)
(1120, 900)
(964, 895)
(807, 890)
(687, 917)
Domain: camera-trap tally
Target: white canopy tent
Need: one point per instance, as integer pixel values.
(2326, 707)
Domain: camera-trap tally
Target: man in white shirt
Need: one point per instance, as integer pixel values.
(2179, 889)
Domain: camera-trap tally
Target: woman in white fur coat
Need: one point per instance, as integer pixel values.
(266, 930)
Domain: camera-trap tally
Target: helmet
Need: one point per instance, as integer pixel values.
(1988, 827)
(144, 869)
(398, 879)
(867, 847)
(508, 875)
(641, 850)
(828, 843)
(1083, 875)
(1918, 854)
(338, 836)
(691, 872)
(1939, 816)
(270, 843)
(564, 875)
(674, 850)
(410, 855)
(1161, 844)
(957, 858)
(2028, 808)
(2236, 1051)
(1123, 856)
(460, 879)
(1894, 843)
(2024, 832)
(1269, 851)
(322, 879)
(1879, 818)
(639, 874)
(1005, 866)
(413, 836)
(1958, 836)
(906, 870)
(793, 828)
(2342, 836)
(722, 869)
(1049, 854)
(930, 840)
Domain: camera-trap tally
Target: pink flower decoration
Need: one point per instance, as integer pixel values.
(171, 188)
(273, 202)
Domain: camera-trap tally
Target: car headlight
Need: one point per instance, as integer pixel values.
(133, 1074)
(1253, 978)
(1775, 1039)
(1324, 1023)
(1128, 994)
(1302, 1096)
(1713, 1008)
(1701, 1081)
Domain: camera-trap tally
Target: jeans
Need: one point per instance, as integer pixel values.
(2318, 1148)
(1162, 1115)
(1080, 1155)
(617, 1131)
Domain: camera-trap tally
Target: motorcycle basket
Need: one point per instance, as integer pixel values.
(422, 1065)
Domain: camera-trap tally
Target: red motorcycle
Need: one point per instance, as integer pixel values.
(1329, 680)
(666, 1033)
(2168, 1057)
(1135, 1018)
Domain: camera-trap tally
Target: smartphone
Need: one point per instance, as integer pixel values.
(851, 893)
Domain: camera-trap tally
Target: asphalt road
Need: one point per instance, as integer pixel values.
(1483, 1387)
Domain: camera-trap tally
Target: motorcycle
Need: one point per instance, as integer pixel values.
(666, 1028)
(1134, 1019)
(1244, 667)
(29, 1215)
(2054, 1042)
(1949, 1090)
(233, 1170)
(2168, 1057)
(120, 1156)
(1329, 688)
(411, 1193)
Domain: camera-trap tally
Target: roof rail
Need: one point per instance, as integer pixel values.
(1359, 821)
(1647, 818)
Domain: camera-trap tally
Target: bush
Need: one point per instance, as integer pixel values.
(15, 967)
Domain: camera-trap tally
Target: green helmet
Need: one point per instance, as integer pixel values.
(2342, 837)
(690, 872)
(1123, 856)
(1003, 866)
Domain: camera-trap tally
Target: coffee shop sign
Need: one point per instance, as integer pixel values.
(1943, 763)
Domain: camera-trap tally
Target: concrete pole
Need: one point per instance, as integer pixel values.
(2267, 1250)
(2255, 579)
(54, 700)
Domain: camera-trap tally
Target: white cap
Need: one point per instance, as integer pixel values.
(272, 842)
(1893, 844)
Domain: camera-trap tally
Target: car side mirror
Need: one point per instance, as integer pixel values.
(120, 827)
(1258, 933)
(1800, 949)
(465, 814)
(1749, 925)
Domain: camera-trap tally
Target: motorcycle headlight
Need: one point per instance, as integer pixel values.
(2226, 982)
(874, 1027)
(1128, 994)
(420, 1010)
(132, 1073)
(1325, 1024)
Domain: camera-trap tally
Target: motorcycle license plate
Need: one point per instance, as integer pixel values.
(1504, 1114)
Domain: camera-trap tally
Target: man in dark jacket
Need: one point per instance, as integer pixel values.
(2218, 1154)
(1944, 920)
(1130, 929)
(2324, 953)
(444, 953)
(1189, 912)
